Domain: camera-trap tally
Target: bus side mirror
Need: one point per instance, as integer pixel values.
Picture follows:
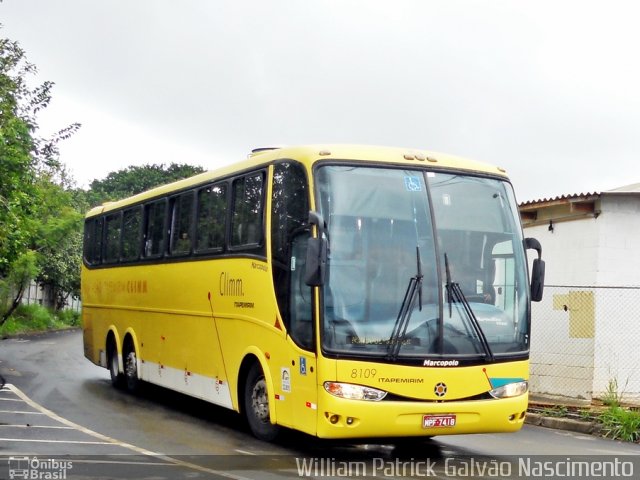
(537, 280)
(316, 263)
(537, 270)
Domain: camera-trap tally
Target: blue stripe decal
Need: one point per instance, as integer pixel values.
(501, 382)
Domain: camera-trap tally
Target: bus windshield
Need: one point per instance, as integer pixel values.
(449, 232)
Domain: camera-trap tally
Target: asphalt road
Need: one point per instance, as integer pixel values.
(61, 418)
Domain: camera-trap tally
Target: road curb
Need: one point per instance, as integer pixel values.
(580, 426)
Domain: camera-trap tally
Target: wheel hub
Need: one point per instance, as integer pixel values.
(260, 401)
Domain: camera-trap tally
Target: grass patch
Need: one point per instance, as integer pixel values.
(621, 424)
(35, 318)
(616, 422)
(612, 396)
(555, 411)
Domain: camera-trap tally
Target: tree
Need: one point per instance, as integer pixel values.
(59, 234)
(40, 212)
(135, 179)
(32, 179)
(16, 162)
(23, 270)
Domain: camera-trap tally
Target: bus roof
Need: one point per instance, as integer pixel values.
(309, 154)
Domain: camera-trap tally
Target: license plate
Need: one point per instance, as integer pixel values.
(438, 421)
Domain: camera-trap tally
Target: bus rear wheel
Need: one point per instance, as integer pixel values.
(256, 405)
(114, 365)
(131, 370)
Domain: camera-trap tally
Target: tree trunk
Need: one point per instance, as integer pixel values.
(14, 304)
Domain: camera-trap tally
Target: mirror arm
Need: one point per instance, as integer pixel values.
(538, 270)
(315, 219)
(317, 247)
(533, 244)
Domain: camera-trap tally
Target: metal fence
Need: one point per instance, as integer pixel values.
(36, 294)
(585, 344)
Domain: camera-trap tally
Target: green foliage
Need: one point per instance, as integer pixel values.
(41, 215)
(621, 424)
(21, 271)
(555, 411)
(69, 317)
(35, 318)
(613, 396)
(38, 212)
(137, 179)
(60, 232)
(586, 414)
(16, 145)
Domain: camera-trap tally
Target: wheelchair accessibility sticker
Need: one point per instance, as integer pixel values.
(412, 184)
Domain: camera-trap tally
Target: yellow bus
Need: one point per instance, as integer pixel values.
(342, 291)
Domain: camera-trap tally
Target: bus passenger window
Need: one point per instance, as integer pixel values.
(212, 212)
(112, 238)
(93, 240)
(181, 218)
(131, 221)
(154, 214)
(247, 211)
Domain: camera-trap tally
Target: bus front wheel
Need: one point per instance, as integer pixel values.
(256, 405)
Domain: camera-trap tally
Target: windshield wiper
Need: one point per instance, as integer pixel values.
(448, 274)
(455, 294)
(414, 290)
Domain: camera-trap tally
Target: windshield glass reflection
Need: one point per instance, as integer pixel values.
(387, 226)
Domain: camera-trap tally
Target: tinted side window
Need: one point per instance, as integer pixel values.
(154, 216)
(113, 226)
(92, 250)
(131, 222)
(246, 227)
(181, 217)
(289, 212)
(290, 207)
(212, 213)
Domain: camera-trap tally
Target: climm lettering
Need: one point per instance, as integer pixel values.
(230, 286)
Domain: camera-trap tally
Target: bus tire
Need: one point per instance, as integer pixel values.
(130, 361)
(113, 364)
(256, 405)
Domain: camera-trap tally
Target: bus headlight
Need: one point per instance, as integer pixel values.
(354, 392)
(510, 390)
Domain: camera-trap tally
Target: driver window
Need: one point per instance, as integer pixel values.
(289, 213)
(300, 305)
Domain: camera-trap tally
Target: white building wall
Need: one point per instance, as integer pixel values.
(617, 331)
(562, 346)
(619, 259)
(570, 251)
(585, 340)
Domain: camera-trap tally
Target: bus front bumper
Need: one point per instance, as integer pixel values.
(341, 418)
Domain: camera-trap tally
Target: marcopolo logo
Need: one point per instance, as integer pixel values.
(440, 363)
(38, 469)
